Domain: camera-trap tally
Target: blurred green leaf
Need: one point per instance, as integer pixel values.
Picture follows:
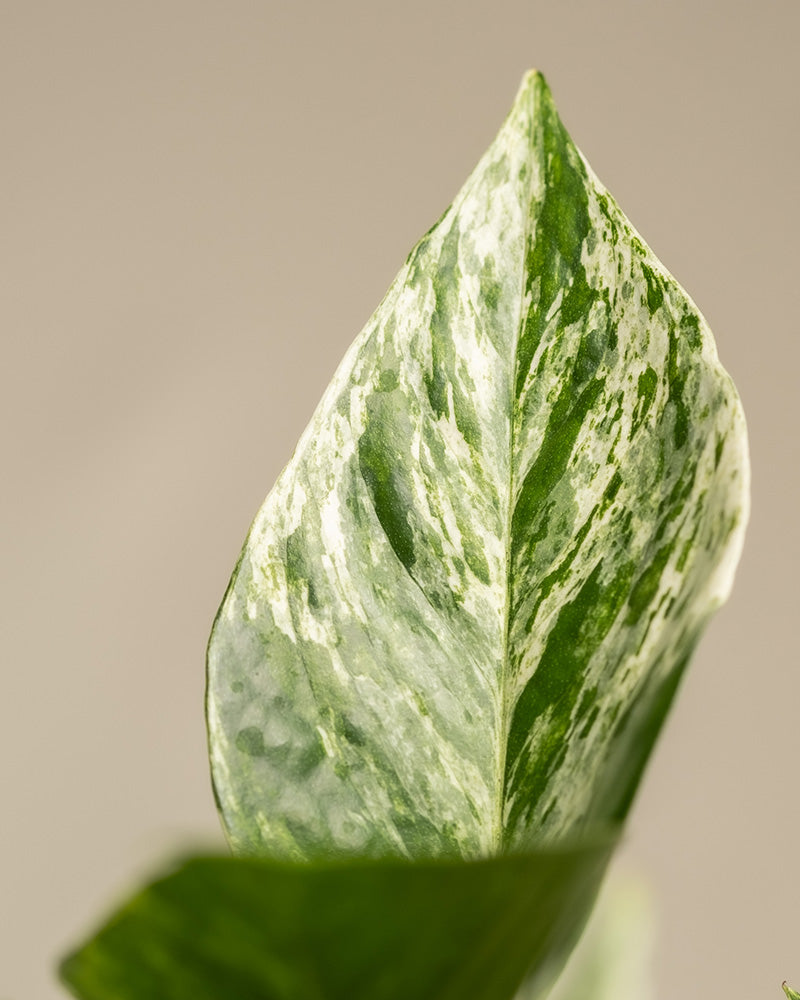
(614, 959)
(790, 993)
(256, 929)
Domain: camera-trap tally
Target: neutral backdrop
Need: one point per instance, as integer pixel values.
(201, 204)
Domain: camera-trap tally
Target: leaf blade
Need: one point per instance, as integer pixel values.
(260, 929)
(463, 611)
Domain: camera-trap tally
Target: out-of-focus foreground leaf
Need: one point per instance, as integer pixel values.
(790, 993)
(461, 614)
(614, 959)
(255, 929)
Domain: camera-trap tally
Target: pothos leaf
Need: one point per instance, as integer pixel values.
(460, 616)
(614, 960)
(259, 929)
(790, 993)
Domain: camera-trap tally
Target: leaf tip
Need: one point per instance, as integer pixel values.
(533, 77)
(533, 83)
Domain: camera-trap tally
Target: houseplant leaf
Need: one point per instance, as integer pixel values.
(461, 614)
(258, 929)
(790, 993)
(614, 959)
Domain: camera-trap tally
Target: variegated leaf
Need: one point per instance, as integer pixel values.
(790, 993)
(461, 614)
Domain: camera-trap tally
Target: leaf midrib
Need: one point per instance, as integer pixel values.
(506, 707)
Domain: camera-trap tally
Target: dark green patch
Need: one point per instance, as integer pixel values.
(388, 380)
(563, 427)
(310, 756)
(690, 331)
(250, 741)
(646, 389)
(351, 732)
(556, 684)
(680, 430)
(476, 560)
(655, 293)
(604, 204)
(444, 379)
(298, 570)
(385, 478)
(646, 586)
(610, 331)
(719, 447)
(591, 718)
(420, 836)
(560, 570)
(551, 805)
(419, 701)
(611, 491)
(590, 356)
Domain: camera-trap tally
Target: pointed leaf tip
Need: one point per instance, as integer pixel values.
(533, 80)
(532, 90)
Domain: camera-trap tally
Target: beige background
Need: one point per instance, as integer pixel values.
(201, 205)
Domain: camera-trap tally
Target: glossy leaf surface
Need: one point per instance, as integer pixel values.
(461, 614)
(255, 929)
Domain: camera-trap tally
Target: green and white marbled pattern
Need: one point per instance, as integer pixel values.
(460, 615)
